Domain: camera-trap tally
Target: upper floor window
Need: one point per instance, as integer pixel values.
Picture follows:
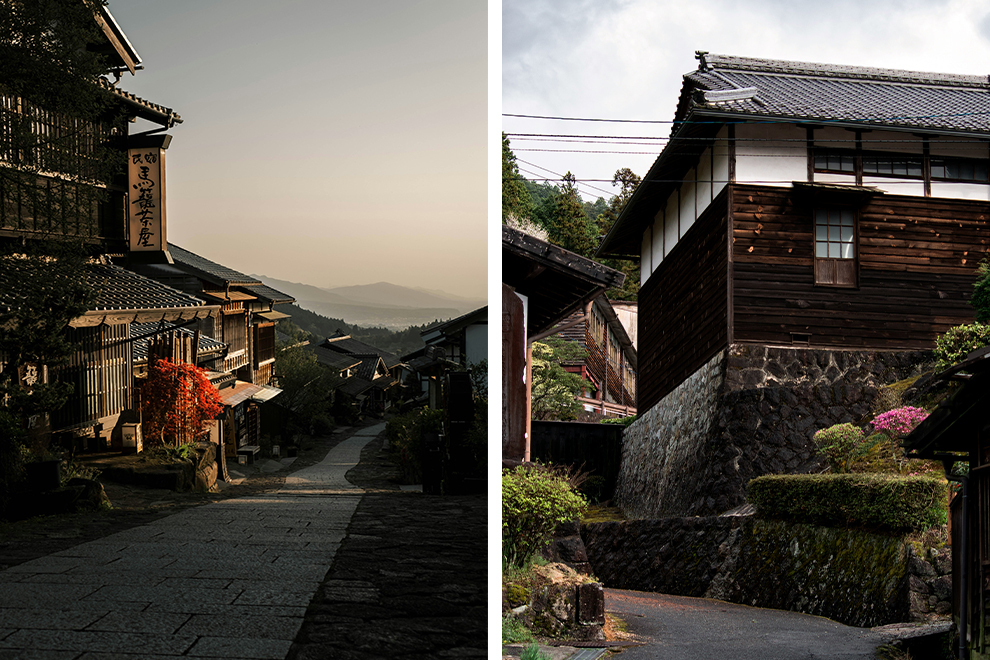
(835, 246)
(959, 169)
(911, 166)
(893, 165)
(835, 160)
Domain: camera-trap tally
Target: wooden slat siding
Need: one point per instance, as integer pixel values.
(683, 307)
(101, 372)
(596, 356)
(917, 261)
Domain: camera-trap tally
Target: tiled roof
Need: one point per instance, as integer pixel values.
(144, 109)
(346, 344)
(208, 270)
(369, 366)
(121, 289)
(828, 92)
(268, 294)
(206, 344)
(356, 385)
(333, 359)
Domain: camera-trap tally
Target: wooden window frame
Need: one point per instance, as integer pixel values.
(836, 272)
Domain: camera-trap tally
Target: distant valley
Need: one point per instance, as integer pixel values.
(376, 305)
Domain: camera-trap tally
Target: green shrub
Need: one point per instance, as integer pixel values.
(534, 501)
(621, 421)
(405, 438)
(533, 652)
(980, 300)
(958, 342)
(513, 630)
(882, 502)
(841, 445)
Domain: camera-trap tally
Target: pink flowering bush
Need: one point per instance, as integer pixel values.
(899, 421)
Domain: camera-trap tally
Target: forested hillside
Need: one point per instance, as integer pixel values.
(305, 324)
(567, 219)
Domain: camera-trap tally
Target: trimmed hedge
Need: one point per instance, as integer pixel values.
(876, 501)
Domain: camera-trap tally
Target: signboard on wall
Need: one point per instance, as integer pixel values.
(146, 194)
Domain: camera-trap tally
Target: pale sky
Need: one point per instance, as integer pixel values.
(330, 142)
(623, 59)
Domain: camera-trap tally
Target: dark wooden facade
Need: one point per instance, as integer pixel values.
(914, 272)
(610, 363)
(101, 374)
(684, 307)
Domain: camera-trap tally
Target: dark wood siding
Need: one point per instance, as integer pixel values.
(100, 372)
(916, 266)
(683, 307)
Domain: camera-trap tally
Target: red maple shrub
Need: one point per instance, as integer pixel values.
(177, 402)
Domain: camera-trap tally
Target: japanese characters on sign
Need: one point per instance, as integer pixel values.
(146, 198)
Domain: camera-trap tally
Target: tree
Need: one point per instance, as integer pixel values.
(516, 202)
(628, 182)
(555, 389)
(57, 144)
(306, 385)
(178, 402)
(567, 224)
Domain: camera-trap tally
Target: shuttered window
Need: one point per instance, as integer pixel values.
(835, 246)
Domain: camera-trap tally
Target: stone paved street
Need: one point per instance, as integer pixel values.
(407, 583)
(231, 579)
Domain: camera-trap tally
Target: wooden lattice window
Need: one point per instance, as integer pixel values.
(835, 246)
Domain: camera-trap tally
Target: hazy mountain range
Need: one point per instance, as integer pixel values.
(376, 305)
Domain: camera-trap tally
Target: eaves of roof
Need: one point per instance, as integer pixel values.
(207, 270)
(796, 92)
(142, 108)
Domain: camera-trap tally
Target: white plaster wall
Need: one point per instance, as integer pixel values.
(824, 177)
(476, 340)
(704, 177)
(977, 191)
(896, 141)
(720, 172)
(835, 138)
(688, 204)
(657, 240)
(670, 224)
(646, 256)
(955, 147)
(771, 154)
(912, 187)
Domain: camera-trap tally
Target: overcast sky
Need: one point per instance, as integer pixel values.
(329, 142)
(623, 59)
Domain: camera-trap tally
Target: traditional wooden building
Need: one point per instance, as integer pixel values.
(809, 205)
(456, 344)
(374, 382)
(803, 222)
(541, 284)
(609, 365)
(57, 189)
(245, 327)
(248, 315)
(958, 431)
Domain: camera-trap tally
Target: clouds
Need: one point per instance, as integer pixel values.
(625, 59)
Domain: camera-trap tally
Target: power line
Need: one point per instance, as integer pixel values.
(561, 176)
(755, 119)
(581, 151)
(864, 140)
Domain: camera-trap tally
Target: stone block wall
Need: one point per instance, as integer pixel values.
(854, 577)
(752, 410)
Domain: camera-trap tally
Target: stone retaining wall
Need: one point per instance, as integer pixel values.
(854, 577)
(752, 410)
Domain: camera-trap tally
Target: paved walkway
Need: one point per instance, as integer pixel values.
(226, 580)
(681, 628)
